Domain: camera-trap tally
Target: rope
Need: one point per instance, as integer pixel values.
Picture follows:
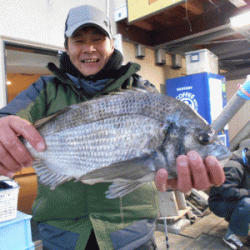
(244, 90)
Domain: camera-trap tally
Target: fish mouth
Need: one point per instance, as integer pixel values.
(92, 60)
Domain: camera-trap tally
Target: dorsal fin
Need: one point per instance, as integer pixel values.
(45, 120)
(131, 90)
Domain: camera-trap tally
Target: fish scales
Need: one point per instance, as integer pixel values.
(122, 138)
(99, 143)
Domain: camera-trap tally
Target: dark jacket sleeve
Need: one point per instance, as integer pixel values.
(233, 188)
(139, 82)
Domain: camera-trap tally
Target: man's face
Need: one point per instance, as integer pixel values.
(89, 50)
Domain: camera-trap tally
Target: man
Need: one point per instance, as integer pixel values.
(75, 215)
(232, 199)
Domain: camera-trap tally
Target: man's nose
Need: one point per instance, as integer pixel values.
(88, 48)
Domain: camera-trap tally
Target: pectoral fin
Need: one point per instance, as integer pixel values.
(129, 170)
(126, 175)
(45, 120)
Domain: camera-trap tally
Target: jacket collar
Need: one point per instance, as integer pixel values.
(119, 74)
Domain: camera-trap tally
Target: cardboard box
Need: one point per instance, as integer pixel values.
(8, 201)
(201, 61)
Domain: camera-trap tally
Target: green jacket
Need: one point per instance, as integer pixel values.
(75, 201)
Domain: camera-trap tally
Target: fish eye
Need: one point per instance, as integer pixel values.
(205, 137)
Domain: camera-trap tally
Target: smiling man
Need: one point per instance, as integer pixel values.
(76, 215)
(89, 49)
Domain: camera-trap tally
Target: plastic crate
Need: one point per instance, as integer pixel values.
(201, 61)
(16, 234)
(8, 201)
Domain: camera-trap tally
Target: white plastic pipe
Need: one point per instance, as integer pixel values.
(233, 106)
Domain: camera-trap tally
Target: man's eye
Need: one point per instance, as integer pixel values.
(97, 39)
(78, 41)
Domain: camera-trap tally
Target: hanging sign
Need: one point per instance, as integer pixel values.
(138, 9)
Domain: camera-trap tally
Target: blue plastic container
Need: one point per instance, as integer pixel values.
(16, 234)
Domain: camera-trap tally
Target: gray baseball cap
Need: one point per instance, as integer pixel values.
(87, 15)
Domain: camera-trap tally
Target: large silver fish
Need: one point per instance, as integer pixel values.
(122, 138)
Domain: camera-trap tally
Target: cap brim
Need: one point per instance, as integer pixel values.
(76, 27)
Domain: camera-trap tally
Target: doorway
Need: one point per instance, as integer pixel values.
(22, 63)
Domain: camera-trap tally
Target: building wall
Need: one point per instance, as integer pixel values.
(41, 21)
(149, 70)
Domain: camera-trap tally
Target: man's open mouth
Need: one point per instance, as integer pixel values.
(91, 60)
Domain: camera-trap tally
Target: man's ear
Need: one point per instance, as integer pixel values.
(113, 44)
(66, 45)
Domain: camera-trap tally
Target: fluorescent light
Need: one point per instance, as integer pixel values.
(8, 82)
(240, 20)
(238, 3)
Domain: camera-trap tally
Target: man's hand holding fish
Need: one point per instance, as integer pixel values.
(13, 154)
(193, 172)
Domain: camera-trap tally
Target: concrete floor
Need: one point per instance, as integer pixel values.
(205, 234)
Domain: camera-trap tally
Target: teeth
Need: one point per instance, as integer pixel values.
(90, 60)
